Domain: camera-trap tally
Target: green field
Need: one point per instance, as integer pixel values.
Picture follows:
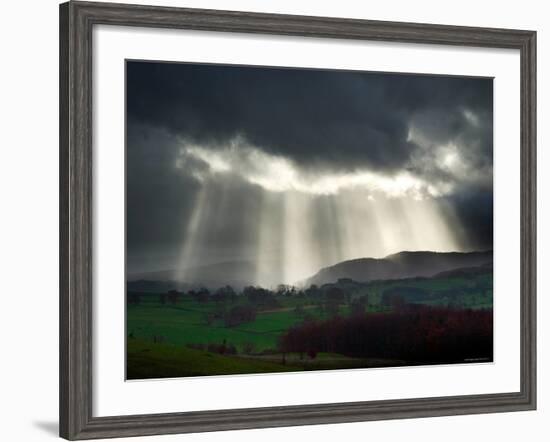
(185, 324)
(160, 335)
(147, 360)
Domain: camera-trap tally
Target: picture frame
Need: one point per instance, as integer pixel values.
(77, 20)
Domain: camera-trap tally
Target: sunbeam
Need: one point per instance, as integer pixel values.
(192, 234)
(269, 247)
(300, 254)
(291, 235)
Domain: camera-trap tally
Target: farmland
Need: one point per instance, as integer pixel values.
(191, 335)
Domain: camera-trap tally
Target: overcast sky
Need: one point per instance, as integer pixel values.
(212, 149)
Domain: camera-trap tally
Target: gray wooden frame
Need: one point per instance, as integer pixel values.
(76, 23)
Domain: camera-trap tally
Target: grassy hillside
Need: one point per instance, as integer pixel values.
(146, 360)
(400, 265)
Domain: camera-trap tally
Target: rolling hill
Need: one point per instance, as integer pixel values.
(239, 274)
(400, 265)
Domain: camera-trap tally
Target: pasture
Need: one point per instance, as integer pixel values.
(168, 339)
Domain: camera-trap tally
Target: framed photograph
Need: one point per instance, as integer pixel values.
(272, 220)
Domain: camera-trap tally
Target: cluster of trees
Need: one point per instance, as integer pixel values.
(423, 334)
(172, 297)
(266, 298)
(224, 294)
(329, 295)
(399, 296)
(233, 308)
(260, 297)
(232, 317)
(201, 295)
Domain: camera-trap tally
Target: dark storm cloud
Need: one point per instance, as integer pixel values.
(162, 197)
(474, 210)
(154, 187)
(327, 119)
(319, 120)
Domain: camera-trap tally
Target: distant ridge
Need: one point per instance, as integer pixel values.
(401, 265)
(237, 274)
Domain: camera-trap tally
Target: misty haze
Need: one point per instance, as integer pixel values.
(285, 219)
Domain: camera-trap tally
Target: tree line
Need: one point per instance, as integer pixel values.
(420, 334)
